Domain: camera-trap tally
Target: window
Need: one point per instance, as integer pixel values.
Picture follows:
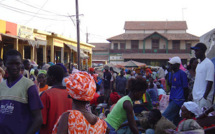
(134, 44)
(188, 45)
(122, 45)
(155, 44)
(115, 46)
(176, 44)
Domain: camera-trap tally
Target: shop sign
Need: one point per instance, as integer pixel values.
(40, 36)
(115, 57)
(26, 32)
(58, 43)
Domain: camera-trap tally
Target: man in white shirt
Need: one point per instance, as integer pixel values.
(204, 81)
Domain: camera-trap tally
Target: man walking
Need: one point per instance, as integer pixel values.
(106, 79)
(121, 84)
(55, 100)
(178, 91)
(203, 85)
(20, 110)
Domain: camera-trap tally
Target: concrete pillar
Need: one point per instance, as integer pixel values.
(62, 55)
(68, 56)
(44, 54)
(2, 50)
(52, 53)
(22, 50)
(32, 53)
(35, 54)
(90, 60)
(16, 45)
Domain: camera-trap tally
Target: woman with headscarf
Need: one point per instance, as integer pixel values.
(81, 87)
(189, 112)
(41, 79)
(123, 110)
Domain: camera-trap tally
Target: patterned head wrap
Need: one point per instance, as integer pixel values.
(81, 86)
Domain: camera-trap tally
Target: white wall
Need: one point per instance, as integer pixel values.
(162, 43)
(182, 45)
(128, 44)
(148, 44)
(140, 44)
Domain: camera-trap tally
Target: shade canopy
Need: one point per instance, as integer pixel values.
(132, 63)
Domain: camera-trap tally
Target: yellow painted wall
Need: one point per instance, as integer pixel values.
(2, 26)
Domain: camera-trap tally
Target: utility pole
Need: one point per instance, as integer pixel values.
(87, 36)
(78, 34)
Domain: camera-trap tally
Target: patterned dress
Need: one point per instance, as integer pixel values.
(191, 80)
(77, 124)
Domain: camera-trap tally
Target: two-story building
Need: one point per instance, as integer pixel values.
(100, 53)
(152, 42)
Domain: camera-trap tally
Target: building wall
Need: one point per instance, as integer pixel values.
(148, 44)
(128, 44)
(162, 44)
(2, 26)
(11, 28)
(182, 45)
(140, 44)
(169, 44)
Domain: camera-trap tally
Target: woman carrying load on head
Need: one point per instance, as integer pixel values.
(81, 87)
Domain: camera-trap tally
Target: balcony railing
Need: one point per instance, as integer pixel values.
(147, 51)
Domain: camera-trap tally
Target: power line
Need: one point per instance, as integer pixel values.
(37, 12)
(11, 7)
(41, 9)
(27, 13)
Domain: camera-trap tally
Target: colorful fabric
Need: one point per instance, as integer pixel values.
(114, 97)
(81, 86)
(42, 72)
(189, 124)
(78, 124)
(118, 114)
(91, 69)
(56, 102)
(95, 99)
(144, 98)
(17, 100)
(44, 88)
(51, 63)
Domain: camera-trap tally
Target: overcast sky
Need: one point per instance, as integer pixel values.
(103, 19)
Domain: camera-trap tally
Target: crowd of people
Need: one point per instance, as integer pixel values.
(53, 99)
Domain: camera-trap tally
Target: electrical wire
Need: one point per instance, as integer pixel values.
(36, 12)
(41, 9)
(11, 7)
(29, 13)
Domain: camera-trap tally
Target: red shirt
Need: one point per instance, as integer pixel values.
(55, 102)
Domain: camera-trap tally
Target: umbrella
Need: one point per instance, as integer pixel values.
(132, 63)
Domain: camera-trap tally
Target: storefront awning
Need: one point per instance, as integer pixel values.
(72, 47)
(11, 36)
(83, 55)
(41, 42)
(87, 51)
